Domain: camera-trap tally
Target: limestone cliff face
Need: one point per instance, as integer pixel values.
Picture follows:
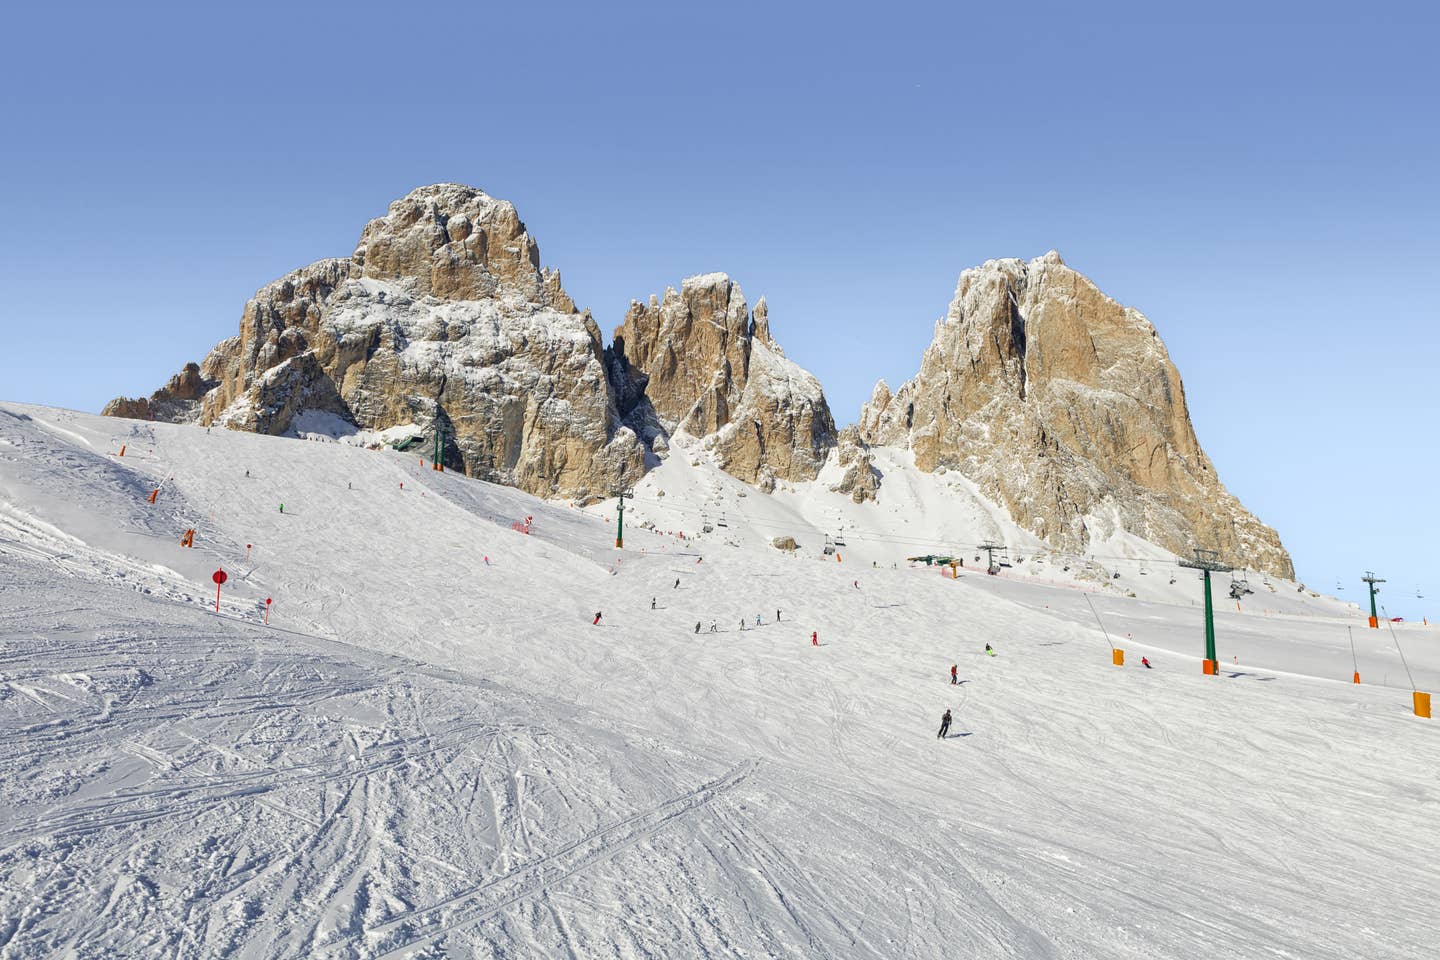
(697, 360)
(860, 480)
(1063, 406)
(179, 399)
(442, 315)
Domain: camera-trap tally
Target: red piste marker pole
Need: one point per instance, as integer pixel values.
(219, 577)
(267, 610)
(247, 552)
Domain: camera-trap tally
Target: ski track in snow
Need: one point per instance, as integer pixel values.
(423, 755)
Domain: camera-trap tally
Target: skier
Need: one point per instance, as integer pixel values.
(487, 560)
(757, 619)
(596, 621)
(652, 603)
(697, 627)
(989, 651)
(677, 584)
(944, 726)
(953, 673)
(712, 627)
(247, 473)
(857, 584)
(282, 508)
(349, 485)
(815, 638)
(742, 623)
(777, 616)
(1145, 662)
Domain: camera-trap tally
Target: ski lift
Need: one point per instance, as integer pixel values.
(1418, 594)
(1143, 571)
(1339, 587)
(839, 539)
(721, 522)
(829, 545)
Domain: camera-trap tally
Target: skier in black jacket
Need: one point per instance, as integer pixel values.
(944, 726)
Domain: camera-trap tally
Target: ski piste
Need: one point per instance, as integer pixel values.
(423, 754)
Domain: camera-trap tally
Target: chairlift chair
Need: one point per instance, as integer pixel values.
(721, 522)
(839, 539)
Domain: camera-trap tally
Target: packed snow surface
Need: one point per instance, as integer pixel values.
(432, 751)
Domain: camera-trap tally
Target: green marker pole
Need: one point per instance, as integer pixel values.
(1209, 624)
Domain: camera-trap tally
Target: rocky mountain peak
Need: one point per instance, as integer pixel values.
(442, 319)
(699, 361)
(457, 243)
(1063, 405)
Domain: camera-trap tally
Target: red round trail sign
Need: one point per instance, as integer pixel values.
(220, 576)
(267, 601)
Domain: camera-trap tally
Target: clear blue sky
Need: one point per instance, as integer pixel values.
(1262, 185)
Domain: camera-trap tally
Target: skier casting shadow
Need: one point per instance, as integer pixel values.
(944, 726)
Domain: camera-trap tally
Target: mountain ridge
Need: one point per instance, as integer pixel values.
(1059, 402)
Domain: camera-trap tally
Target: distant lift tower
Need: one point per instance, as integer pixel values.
(437, 461)
(1372, 580)
(990, 546)
(1208, 562)
(620, 493)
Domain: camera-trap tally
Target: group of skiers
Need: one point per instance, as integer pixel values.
(955, 680)
(716, 629)
(945, 720)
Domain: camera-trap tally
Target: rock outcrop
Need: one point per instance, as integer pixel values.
(178, 400)
(1063, 406)
(860, 480)
(698, 361)
(441, 318)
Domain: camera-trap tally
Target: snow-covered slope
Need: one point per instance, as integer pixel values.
(431, 751)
